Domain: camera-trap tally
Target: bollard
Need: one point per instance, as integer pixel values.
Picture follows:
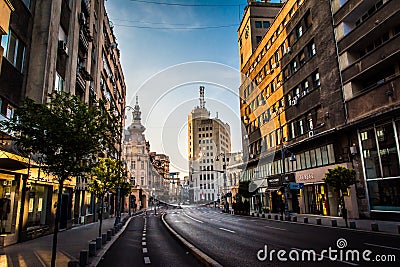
(92, 248)
(84, 258)
(73, 264)
(98, 242)
(352, 225)
(319, 221)
(269, 216)
(108, 235)
(288, 218)
(374, 227)
(115, 229)
(305, 220)
(281, 217)
(263, 215)
(276, 217)
(103, 238)
(294, 218)
(112, 231)
(334, 223)
(252, 214)
(258, 214)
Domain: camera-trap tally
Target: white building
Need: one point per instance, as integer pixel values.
(209, 139)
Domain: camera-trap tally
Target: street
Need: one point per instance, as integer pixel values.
(236, 240)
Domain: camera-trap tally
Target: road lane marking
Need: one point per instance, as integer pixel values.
(145, 250)
(380, 246)
(190, 217)
(227, 230)
(143, 243)
(349, 263)
(144, 238)
(147, 260)
(275, 228)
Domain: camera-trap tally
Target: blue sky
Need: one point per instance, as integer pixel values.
(165, 65)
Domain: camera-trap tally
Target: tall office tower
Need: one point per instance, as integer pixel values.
(209, 142)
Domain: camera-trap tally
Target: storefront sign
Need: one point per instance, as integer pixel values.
(315, 175)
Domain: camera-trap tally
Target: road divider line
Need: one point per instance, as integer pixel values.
(346, 262)
(275, 228)
(147, 260)
(145, 250)
(227, 230)
(190, 217)
(380, 246)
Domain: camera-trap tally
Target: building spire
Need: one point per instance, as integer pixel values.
(136, 113)
(202, 102)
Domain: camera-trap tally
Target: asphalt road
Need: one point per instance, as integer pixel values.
(237, 240)
(146, 242)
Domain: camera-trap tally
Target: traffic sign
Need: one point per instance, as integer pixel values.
(295, 186)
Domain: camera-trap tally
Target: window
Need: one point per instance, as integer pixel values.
(299, 31)
(311, 49)
(14, 50)
(316, 79)
(142, 164)
(266, 24)
(258, 39)
(10, 112)
(258, 24)
(59, 83)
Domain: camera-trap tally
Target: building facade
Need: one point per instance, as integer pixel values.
(291, 108)
(208, 139)
(53, 46)
(368, 44)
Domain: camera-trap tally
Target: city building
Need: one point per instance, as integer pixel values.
(368, 45)
(53, 46)
(136, 152)
(233, 174)
(209, 139)
(291, 108)
(5, 11)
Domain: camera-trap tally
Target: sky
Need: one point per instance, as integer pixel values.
(169, 48)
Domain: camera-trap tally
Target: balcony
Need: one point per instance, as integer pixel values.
(366, 63)
(84, 43)
(372, 26)
(385, 95)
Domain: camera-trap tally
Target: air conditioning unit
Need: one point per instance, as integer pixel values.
(310, 133)
(62, 46)
(295, 102)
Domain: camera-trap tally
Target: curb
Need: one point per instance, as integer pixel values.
(316, 225)
(200, 255)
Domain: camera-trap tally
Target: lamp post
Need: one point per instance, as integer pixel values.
(123, 110)
(285, 180)
(224, 163)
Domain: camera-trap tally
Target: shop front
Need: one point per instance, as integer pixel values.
(275, 193)
(317, 197)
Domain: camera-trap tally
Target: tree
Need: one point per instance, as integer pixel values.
(65, 134)
(105, 176)
(341, 178)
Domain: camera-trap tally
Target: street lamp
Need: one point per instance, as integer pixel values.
(284, 179)
(225, 160)
(123, 110)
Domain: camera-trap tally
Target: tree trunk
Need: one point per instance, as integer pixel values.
(56, 226)
(101, 214)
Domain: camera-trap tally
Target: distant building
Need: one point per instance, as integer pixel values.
(208, 139)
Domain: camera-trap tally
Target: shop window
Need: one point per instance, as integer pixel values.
(384, 194)
(318, 156)
(325, 157)
(370, 153)
(388, 150)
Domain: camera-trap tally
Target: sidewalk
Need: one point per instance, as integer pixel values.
(37, 252)
(392, 227)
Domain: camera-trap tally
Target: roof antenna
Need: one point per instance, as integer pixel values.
(202, 102)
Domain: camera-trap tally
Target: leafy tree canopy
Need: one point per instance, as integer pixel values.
(65, 132)
(340, 178)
